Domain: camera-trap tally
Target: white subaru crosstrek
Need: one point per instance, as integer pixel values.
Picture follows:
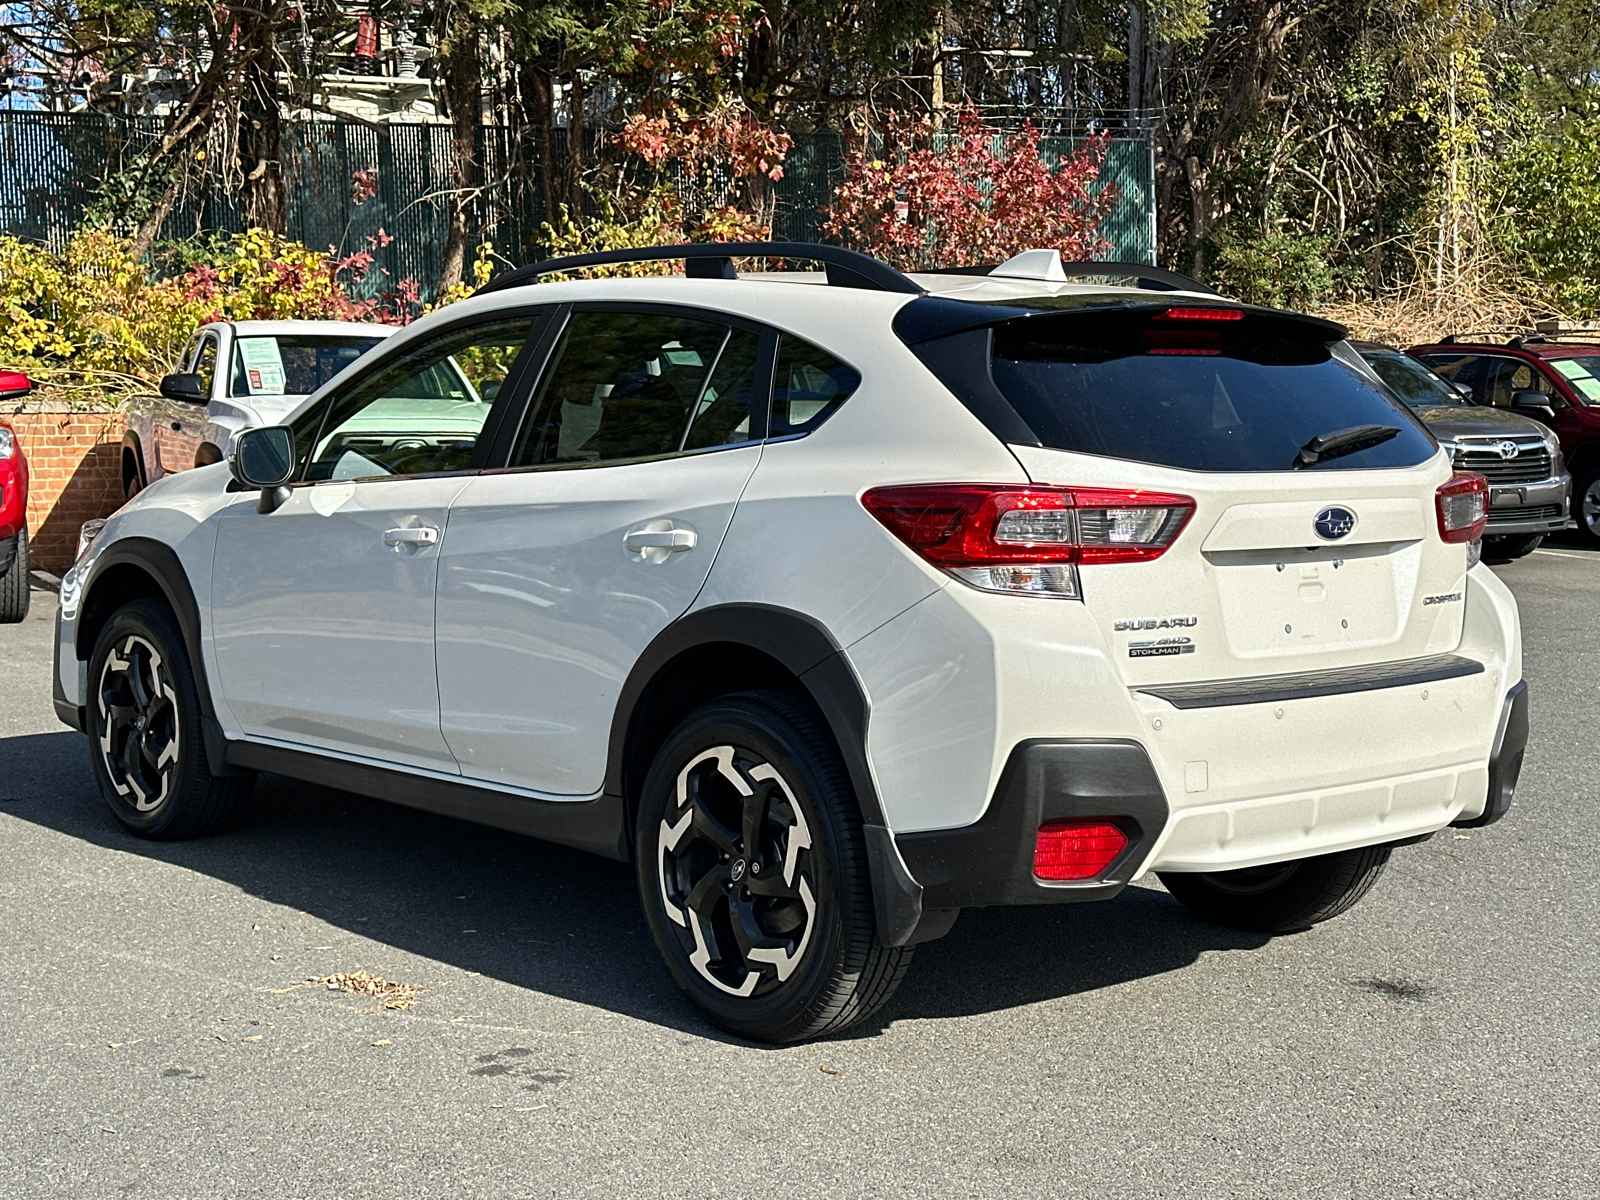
(837, 602)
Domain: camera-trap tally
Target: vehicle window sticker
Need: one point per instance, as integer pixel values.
(1579, 375)
(261, 363)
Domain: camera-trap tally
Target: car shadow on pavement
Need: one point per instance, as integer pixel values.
(566, 923)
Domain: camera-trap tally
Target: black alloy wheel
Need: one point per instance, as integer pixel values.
(753, 873)
(143, 718)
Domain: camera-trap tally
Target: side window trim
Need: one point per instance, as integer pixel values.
(539, 317)
(760, 412)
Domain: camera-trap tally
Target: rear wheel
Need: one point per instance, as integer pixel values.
(144, 730)
(753, 873)
(1511, 547)
(1280, 897)
(1586, 507)
(14, 583)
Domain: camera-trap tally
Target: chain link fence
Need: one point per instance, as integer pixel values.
(54, 167)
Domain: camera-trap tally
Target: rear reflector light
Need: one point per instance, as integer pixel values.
(1028, 540)
(1076, 849)
(1463, 506)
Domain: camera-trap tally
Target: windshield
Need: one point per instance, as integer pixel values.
(1216, 394)
(1583, 373)
(1412, 381)
(293, 364)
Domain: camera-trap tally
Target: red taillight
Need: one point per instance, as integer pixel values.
(1463, 507)
(1200, 314)
(969, 525)
(1076, 849)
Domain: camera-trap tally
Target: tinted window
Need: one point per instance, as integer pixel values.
(1462, 369)
(1206, 395)
(722, 417)
(419, 413)
(808, 387)
(626, 385)
(1505, 377)
(292, 365)
(1410, 380)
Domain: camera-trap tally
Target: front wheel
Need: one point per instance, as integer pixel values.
(1586, 507)
(144, 730)
(1506, 548)
(14, 597)
(1280, 897)
(753, 873)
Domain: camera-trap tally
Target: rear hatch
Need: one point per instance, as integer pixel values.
(1299, 555)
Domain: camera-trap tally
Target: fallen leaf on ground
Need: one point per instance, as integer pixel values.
(828, 1070)
(254, 1038)
(384, 1042)
(360, 983)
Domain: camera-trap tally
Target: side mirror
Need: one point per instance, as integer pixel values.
(1531, 402)
(184, 386)
(264, 458)
(14, 385)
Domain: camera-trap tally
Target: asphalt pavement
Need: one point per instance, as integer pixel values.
(157, 1037)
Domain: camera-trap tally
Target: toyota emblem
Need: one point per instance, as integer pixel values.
(1333, 523)
(1508, 449)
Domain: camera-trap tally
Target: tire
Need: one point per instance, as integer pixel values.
(132, 485)
(795, 955)
(14, 597)
(1586, 508)
(1506, 548)
(1280, 897)
(143, 717)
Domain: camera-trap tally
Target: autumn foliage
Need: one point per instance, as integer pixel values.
(972, 196)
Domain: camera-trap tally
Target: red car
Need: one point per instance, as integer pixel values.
(13, 509)
(1554, 379)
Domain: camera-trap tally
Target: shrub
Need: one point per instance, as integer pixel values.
(96, 316)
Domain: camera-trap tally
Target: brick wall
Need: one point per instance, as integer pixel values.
(74, 473)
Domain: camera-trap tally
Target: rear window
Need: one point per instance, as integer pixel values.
(1200, 395)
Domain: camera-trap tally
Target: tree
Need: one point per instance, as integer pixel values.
(975, 196)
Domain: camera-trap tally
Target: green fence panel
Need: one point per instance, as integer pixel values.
(52, 166)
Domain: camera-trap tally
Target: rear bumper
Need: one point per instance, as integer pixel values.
(991, 861)
(1505, 761)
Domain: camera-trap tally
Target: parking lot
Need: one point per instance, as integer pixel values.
(1441, 1040)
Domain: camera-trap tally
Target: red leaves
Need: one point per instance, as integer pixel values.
(729, 138)
(980, 197)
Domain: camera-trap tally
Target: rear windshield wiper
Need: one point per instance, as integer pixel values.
(1343, 441)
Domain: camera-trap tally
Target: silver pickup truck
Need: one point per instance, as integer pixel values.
(234, 375)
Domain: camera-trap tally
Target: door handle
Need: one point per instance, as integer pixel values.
(425, 535)
(670, 540)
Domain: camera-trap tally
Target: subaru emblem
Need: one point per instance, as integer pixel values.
(1508, 449)
(1333, 523)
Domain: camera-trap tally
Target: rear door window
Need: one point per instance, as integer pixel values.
(1240, 394)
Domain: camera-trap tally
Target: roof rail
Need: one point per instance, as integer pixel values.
(714, 260)
(1487, 337)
